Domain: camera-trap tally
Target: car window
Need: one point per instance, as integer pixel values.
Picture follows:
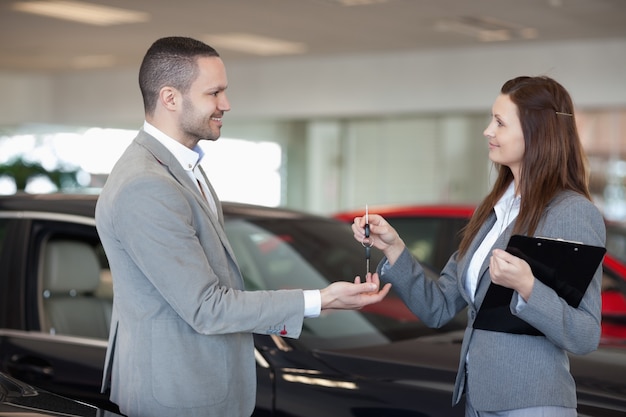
(419, 235)
(283, 254)
(73, 285)
(432, 240)
(272, 261)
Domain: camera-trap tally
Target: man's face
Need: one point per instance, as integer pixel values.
(205, 102)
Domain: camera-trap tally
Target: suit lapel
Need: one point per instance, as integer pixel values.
(220, 214)
(218, 204)
(482, 232)
(164, 157)
(484, 279)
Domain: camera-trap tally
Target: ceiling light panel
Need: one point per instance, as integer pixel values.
(87, 13)
(349, 3)
(254, 44)
(486, 29)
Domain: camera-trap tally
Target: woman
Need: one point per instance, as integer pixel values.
(541, 190)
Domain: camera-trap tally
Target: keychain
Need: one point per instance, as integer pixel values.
(366, 242)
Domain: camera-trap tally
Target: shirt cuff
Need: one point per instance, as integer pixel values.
(312, 303)
(520, 304)
(386, 267)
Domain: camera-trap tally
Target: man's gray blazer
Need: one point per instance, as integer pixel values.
(507, 371)
(181, 333)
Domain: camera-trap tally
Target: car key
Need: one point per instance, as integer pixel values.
(367, 245)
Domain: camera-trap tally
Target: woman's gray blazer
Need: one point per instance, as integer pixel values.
(506, 371)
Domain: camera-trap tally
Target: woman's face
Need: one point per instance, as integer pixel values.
(504, 132)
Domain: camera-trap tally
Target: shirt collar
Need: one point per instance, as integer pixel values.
(188, 158)
(508, 201)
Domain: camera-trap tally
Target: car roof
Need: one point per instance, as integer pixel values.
(85, 205)
(421, 210)
(76, 204)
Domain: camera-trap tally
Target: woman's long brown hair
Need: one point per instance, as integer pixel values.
(553, 158)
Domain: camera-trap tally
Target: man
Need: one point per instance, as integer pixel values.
(181, 333)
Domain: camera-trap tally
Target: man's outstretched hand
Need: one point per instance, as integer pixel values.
(345, 295)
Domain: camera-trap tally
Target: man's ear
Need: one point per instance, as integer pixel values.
(169, 98)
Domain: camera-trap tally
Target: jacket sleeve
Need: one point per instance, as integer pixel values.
(435, 300)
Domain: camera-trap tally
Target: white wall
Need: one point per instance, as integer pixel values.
(25, 99)
(468, 79)
(359, 85)
(396, 160)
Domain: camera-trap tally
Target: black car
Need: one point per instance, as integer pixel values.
(55, 303)
(20, 399)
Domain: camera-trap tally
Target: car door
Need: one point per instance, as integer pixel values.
(57, 297)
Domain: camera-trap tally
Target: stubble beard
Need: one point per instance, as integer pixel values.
(201, 130)
(197, 127)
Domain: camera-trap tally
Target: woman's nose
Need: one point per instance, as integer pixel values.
(488, 132)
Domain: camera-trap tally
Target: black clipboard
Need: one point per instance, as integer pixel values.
(566, 267)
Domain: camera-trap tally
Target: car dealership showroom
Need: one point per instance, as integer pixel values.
(335, 109)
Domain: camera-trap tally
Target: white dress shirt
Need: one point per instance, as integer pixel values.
(189, 159)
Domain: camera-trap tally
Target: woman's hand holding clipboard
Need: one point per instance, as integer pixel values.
(565, 266)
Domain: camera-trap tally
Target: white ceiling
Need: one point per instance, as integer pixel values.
(325, 27)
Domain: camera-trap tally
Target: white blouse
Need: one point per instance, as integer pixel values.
(507, 209)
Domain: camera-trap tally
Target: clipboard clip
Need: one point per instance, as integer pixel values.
(560, 240)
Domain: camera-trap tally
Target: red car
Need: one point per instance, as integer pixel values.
(432, 234)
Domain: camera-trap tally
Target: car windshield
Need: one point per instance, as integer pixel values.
(431, 239)
(284, 253)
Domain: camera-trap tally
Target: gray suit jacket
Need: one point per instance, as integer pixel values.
(508, 371)
(181, 334)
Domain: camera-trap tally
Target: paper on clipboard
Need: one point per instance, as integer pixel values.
(565, 266)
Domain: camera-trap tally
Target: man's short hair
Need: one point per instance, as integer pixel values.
(170, 61)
